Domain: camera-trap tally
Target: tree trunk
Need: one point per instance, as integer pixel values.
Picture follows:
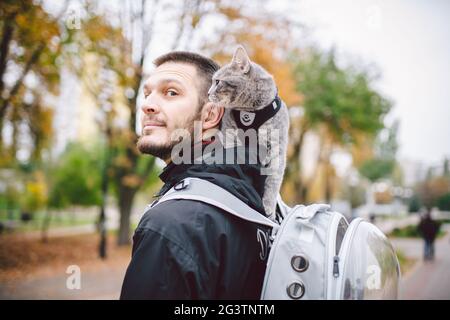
(126, 197)
(15, 132)
(46, 225)
(327, 182)
(299, 182)
(307, 186)
(293, 169)
(1, 137)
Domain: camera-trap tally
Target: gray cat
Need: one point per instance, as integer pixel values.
(249, 95)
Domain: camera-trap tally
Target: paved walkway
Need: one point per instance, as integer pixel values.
(105, 282)
(426, 280)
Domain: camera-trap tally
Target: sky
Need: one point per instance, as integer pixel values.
(409, 41)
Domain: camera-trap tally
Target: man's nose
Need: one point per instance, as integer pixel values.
(150, 106)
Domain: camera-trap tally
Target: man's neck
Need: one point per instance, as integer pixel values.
(204, 142)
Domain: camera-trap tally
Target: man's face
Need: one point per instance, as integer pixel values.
(171, 103)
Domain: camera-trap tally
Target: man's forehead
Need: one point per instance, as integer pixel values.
(180, 72)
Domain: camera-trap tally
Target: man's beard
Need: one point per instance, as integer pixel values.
(164, 151)
(159, 151)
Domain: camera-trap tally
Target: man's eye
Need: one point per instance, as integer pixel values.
(172, 93)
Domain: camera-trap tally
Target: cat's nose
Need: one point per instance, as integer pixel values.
(210, 90)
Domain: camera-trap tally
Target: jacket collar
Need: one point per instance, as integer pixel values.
(245, 181)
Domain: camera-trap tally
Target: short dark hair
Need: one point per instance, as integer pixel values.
(205, 67)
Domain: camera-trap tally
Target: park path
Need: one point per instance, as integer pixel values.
(102, 282)
(426, 280)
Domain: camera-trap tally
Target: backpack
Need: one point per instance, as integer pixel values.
(315, 253)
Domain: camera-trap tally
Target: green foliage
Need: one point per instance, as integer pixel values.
(411, 231)
(414, 204)
(10, 198)
(342, 99)
(443, 203)
(405, 262)
(340, 104)
(384, 163)
(35, 195)
(375, 169)
(77, 177)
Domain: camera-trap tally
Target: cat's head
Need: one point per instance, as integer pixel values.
(242, 84)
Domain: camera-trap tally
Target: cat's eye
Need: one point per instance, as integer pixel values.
(217, 82)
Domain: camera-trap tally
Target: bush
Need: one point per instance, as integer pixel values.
(414, 204)
(443, 203)
(406, 232)
(411, 231)
(76, 178)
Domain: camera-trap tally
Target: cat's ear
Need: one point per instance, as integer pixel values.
(241, 59)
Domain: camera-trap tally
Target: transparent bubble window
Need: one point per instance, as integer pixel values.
(371, 269)
(340, 233)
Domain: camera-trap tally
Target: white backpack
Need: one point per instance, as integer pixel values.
(315, 253)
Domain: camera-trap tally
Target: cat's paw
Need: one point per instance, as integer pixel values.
(269, 207)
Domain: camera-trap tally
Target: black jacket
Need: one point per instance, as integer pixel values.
(185, 249)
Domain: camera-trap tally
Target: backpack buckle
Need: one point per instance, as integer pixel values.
(183, 184)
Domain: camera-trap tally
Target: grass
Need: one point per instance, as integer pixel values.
(411, 232)
(58, 219)
(405, 263)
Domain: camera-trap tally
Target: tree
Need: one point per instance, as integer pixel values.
(340, 104)
(433, 190)
(74, 180)
(375, 169)
(443, 202)
(35, 195)
(31, 41)
(127, 169)
(383, 163)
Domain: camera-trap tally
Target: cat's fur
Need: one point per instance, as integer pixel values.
(245, 85)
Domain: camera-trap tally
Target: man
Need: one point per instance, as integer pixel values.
(185, 249)
(429, 229)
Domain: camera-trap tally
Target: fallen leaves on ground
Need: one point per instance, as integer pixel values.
(21, 257)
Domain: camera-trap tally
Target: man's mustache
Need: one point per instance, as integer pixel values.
(153, 122)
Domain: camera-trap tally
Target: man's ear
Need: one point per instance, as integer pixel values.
(211, 115)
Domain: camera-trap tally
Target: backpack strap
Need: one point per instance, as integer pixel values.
(208, 192)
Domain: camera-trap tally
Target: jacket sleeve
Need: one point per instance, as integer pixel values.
(162, 269)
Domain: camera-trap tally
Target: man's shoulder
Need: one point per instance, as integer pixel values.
(181, 213)
(189, 225)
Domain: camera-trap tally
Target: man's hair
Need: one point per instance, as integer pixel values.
(205, 67)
